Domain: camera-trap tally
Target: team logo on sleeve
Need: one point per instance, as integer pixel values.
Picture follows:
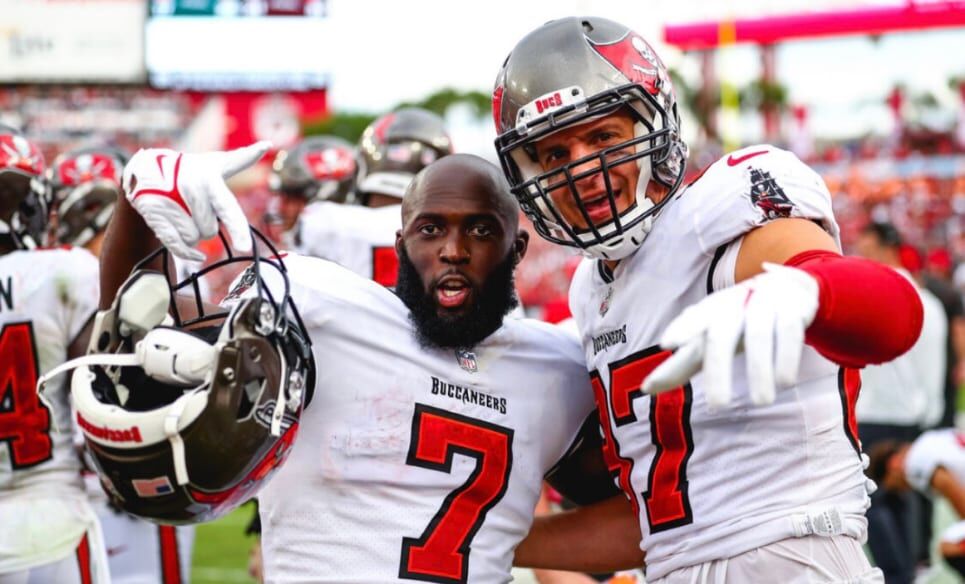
(768, 196)
(243, 284)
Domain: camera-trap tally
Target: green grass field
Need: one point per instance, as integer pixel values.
(221, 550)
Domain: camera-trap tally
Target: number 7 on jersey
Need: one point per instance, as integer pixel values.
(667, 499)
(441, 554)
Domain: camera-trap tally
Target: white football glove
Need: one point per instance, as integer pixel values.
(769, 313)
(182, 196)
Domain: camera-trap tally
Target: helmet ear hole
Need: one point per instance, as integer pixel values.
(249, 397)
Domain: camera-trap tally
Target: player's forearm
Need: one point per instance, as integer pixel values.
(868, 313)
(127, 241)
(603, 537)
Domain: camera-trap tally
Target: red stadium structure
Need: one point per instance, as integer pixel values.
(858, 21)
(767, 31)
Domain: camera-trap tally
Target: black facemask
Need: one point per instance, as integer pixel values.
(489, 305)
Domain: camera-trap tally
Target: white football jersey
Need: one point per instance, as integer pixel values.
(361, 239)
(46, 298)
(935, 448)
(415, 463)
(713, 484)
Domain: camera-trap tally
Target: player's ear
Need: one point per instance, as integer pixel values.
(520, 245)
(399, 244)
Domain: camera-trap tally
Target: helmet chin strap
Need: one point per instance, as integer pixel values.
(645, 165)
(643, 201)
(280, 404)
(171, 423)
(118, 360)
(107, 359)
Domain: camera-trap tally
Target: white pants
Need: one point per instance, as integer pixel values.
(87, 565)
(800, 560)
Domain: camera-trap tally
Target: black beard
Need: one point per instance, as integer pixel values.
(485, 315)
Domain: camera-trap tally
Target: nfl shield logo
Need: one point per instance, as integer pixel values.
(467, 360)
(605, 305)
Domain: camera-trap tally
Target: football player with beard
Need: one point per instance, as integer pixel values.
(85, 184)
(48, 531)
(361, 236)
(722, 328)
(434, 418)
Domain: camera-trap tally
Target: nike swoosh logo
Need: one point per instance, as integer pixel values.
(173, 192)
(731, 161)
(160, 167)
(113, 551)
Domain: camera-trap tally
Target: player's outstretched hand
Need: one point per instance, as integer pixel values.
(767, 314)
(182, 196)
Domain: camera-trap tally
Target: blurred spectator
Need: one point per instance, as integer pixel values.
(937, 279)
(898, 399)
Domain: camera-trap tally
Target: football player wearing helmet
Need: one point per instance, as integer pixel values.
(361, 237)
(319, 168)
(433, 420)
(23, 192)
(86, 183)
(738, 467)
(48, 533)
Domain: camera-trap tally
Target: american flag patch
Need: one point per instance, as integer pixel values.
(155, 487)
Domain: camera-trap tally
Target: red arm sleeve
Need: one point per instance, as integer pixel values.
(867, 312)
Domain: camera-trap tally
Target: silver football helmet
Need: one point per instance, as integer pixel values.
(85, 183)
(395, 147)
(574, 71)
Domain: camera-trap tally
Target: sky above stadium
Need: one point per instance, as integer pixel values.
(402, 51)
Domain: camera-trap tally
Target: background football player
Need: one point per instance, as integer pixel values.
(48, 533)
(86, 184)
(361, 237)
(934, 464)
(733, 466)
(433, 421)
(319, 168)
